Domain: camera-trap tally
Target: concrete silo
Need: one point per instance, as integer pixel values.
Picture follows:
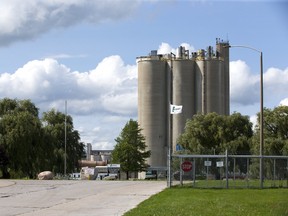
(200, 72)
(200, 83)
(214, 95)
(222, 52)
(153, 106)
(212, 77)
(183, 93)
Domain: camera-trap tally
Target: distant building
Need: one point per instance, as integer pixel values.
(98, 155)
(199, 81)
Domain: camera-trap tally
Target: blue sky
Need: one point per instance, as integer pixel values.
(85, 52)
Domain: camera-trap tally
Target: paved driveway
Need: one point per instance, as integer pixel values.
(61, 197)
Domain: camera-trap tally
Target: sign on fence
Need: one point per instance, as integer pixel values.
(207, 163)
(220, 164)
(186, 166)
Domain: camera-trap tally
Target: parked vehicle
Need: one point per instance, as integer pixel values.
(150, 175)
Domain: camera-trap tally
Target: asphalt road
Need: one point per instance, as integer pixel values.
(74, 197)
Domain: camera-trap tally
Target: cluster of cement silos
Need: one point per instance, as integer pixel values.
(199, 81)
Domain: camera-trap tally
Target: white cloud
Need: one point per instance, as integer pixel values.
(244, 86)
(275, 86)
(96, 129)
(284, 102)
(276, 80)
(165, 48)
(94, 96)
(100, 129)
(20, 20)
(253, 119)
(121, 104)
(37, 80)
(188, 47)
(102, 146)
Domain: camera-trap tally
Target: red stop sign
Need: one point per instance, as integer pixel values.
(186, 166)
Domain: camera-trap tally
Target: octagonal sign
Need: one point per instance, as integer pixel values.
(186, 166)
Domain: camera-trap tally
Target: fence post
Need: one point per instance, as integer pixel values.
(234, 170)
(287, 174)
(247, 173)
(274, 172)
(194, 171)
(181, 172)
(207, 172)
(226, 171)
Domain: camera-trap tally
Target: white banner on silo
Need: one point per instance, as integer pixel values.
(175, 109)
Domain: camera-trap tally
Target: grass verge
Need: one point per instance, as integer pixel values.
(188, 201)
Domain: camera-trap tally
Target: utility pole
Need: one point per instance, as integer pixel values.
(261, 118)
(65, 139)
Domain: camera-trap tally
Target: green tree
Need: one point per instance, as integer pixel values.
(238, 134)
(275, 130)
(213, 133)
(54, 130)
(4, 162)
(7, 106)
(21, 137)
(130, 149)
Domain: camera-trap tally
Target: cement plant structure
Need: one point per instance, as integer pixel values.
(199, 81)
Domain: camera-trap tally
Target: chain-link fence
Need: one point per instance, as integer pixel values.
(228, 171)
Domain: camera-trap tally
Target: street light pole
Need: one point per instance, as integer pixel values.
(65, 140)
(170, 86)
(261, 120)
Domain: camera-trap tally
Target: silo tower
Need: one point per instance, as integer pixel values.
(183, 91)
(223, 54)
(199, 82)
(153, 106)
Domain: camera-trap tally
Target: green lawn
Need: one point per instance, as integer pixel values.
(188, 201)
(239, 184)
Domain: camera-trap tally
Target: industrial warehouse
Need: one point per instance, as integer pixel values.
(198, 81)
